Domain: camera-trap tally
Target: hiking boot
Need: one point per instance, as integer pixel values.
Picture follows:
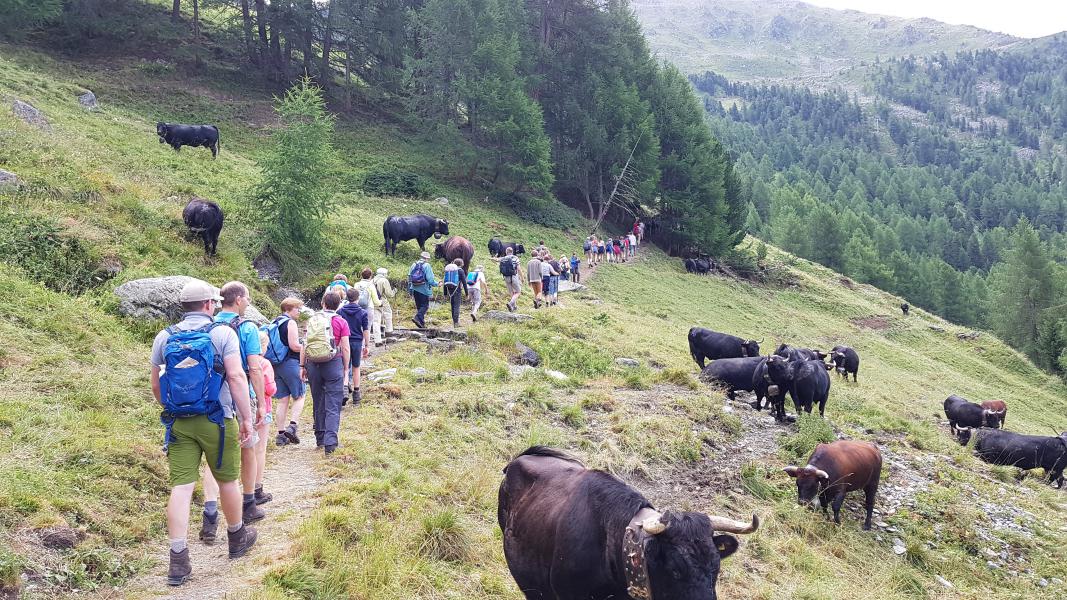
(251, 512)
(263, 497)
(329, 450)
(180, 567)
(290, 432)
(474, 318)
(281, 440)
(209, 528)
(417, 324)
(357, 396)
(241, 541)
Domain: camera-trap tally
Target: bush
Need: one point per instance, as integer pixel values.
(394, 182)
(39, 248)
(443, 537)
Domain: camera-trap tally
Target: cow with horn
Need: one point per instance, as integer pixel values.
(576, 533)
(836, 469)
(961, 412)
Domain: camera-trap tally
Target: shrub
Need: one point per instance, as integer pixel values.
(39, 248)
(573, 415)
(394, 182)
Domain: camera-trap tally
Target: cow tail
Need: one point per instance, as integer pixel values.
(218, 140)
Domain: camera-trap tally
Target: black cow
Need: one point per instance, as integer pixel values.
(453, 248)
(806, 380)
(498, 248)
(712, 345)
(178, 135)
(574, 533)
(204, 218)
(418, 227)
(904, 308)
(700, 266)
(846, 360)
(794, 353)
(735, 373)
(964, 413)
(763, 388)
(1001, 447)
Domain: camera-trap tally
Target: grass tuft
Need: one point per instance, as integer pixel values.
(443, 537)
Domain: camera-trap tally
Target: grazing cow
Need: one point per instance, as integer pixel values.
(794, 353)
(700, 266)
(574, 533)
(178, 135)
(836, 469)
(904, 308)
(735, 373)
(453, 248)
(418, 227)
(997, 407)
(498, 248)
(964, 413)
(846, 360)
(806, 381)
(763, 388)
(712, 345)
(1007, 448)
(204, 217)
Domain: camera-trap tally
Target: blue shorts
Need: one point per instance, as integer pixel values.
(287, 378)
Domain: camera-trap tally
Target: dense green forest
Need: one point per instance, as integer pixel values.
(932, 184)
(531, 97)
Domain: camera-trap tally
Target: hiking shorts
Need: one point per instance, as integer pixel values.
(193, 437)
(287, 378)
(514, 284)
(536, 286)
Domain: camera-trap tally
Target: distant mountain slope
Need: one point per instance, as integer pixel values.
(779, 39)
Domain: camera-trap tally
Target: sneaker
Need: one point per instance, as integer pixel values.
(251, 512)
(281, 440)
(209, 530)
(180, 567)
(290, 432)
(241, 541)
(263, 497)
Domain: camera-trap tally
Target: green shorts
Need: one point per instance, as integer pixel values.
(193, 437)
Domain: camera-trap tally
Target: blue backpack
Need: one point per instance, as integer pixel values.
(193, 380)
(277, 349)
(452, 278)
(417, 275)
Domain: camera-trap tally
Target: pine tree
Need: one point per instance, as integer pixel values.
(1021, 288)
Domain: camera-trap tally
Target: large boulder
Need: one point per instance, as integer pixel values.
(29, 114)
(570, 286)
(156, 299)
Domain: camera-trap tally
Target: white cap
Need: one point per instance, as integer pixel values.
(425, 256)
(199, 291)
(383, 271)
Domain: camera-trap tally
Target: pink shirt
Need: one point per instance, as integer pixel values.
(340, 329)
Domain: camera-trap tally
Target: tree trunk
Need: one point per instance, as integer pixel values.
(196, 18)
(348, 73)
(246, 16)
(277, 59)
(309, 39)
(327, 44)
(261, 22)
(176, 11)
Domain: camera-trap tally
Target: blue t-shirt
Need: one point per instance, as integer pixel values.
(575, 263)
(248, 335)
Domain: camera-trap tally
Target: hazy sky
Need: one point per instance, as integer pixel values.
(1023, 18)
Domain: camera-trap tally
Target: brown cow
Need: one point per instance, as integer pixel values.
(836, 469)
(995, 408)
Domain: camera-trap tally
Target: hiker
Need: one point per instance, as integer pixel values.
(640, 232)
(324, 364)
(235, 301)
(290, 396)
(575, 265)
(509, 270)
(339, 285)
(270, 388)
(372, 303)
(385, 293)
(358, 319)
(554, 272)
(455, 282)
(477, 288)
(421, 283)
(541, 247)
(617, 251)
(564, 269)
(625, 247)
(533, 274)
(633, 244)
(587, 247)
(610, 247)
(546, 276)
(602, 255)
(198, 411)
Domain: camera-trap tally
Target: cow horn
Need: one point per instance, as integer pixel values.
(791, 470)
(731, 526)
(654, 525)
(817, 471)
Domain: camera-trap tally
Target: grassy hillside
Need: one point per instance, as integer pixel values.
(410, 508)
(754, 40)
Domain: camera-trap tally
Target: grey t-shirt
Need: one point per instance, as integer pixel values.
(224, 338)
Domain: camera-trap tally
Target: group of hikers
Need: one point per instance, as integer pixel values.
(222, 380)
(614, 250)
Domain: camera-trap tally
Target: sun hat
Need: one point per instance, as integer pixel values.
(198, 291)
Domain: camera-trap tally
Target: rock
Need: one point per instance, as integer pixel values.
(937, 329)
(88, 101)
(441, 346)
(527, 356)
(441, 200)
(627, 362)
(60, 538)
(519, 371)
(570, 286)
(29, 114)
(9, 182)
(1057, 581)
(421, 374)
(252, 314)
(383, 375)
(899, 547)
(286, 292)
(558, 376)
(156, 298)
(1042, 583)
(992, 565)
(506, 317)
(944, 582)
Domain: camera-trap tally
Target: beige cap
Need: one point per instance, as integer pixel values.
(425, 256)
(198, 291)
(383, 271)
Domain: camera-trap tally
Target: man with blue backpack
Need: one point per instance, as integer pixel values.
(455, 287)
(198, 379)
(421, 283)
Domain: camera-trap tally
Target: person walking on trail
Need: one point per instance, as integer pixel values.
(533, 274)
(603, 256)
(270, 388)
(199, 406)
(546, 275)
(625, 247)
(509, 270)
(325, 363)
(235, 301)
(289, 399)
(633, 244)
(640, 232)
(372, 303)
(339, 285)
(477, 288)
(421, 283)
(386, 293)
(576, 264)
(359, 338)
(611, 250)
(455, 284)
(554, 272)
(587, 247)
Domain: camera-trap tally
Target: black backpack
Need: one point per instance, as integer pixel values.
(507, 266)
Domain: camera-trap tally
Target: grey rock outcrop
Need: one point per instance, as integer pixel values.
(506, 317)
(88, 101)
(9, 182)
(156, 299)
(28, 113)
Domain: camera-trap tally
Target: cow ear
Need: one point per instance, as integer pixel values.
(725, 544)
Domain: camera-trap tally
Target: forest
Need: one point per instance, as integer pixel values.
(942, 181)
